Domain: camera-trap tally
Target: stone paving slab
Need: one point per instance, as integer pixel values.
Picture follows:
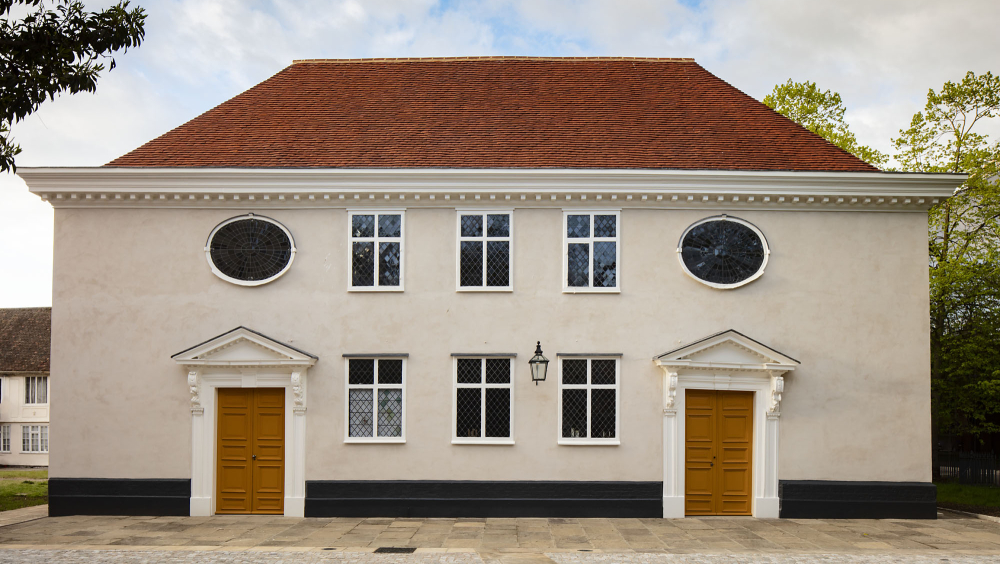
(565, 558)
(15, 516)
(437, 556)
(225, 557)
(512, 540)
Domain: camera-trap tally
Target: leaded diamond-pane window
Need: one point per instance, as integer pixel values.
(375, 399)
(483, 400)
(484, 243)
(591, 252)
(376, 250)
(589, 400)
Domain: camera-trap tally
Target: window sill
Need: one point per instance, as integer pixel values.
(485, 289)
(590, 442)
(482, 442)
(371, 441)
(375, 289)
(592, 290)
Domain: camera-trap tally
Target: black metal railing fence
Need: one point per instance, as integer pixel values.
(970, 468)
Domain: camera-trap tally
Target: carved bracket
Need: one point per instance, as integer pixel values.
(194, 387)
(777, 387)
(298, 393)
(671, 393)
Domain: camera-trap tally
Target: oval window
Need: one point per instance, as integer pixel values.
(723, 252)
(250, 250)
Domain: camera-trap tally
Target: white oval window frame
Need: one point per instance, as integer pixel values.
(238, 282)
(724, 217)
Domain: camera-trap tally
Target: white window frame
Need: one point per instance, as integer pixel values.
(482, 439)
(588, 441)
(590, 289)
(375, 386)
(484, 239)
(29, 432)
(351, 239)
(5, 438)
(31, 387)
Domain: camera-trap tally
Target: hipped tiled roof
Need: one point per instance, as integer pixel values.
(494, 112)
(25, 336)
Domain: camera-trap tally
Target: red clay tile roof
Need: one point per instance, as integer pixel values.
(494, 112)
(25, 334)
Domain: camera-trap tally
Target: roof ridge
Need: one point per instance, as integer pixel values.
(492, 58)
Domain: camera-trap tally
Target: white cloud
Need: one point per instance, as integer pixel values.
(881, 56)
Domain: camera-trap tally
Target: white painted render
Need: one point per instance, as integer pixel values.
(845, 293)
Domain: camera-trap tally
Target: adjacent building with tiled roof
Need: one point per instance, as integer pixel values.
(486, 259)
(25, 336)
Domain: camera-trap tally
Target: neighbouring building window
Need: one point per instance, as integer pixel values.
(4, 438)
(376, 250)
(34, 438)
(588, 400)
(375, 399)
(484, 401)
(36, 389)
(484, 243)
(591, 252)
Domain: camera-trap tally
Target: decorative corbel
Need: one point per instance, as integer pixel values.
(194, 387)
(298, 393)
(670, 395)
(777, 387)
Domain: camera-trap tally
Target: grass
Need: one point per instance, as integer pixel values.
(32, 474)
(968, 495)
(23, 488)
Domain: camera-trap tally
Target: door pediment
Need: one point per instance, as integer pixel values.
(244, 347)
(730, 350)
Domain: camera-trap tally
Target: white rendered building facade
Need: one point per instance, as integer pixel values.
(350, 334)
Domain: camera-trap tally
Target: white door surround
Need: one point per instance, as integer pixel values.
(725, 361)
(243, 358)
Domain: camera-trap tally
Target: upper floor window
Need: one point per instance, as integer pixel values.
(36, 389)
(376, 250)
(375, 408)
(484, 243)
(484, 402)
(588, 400)
(590, 258)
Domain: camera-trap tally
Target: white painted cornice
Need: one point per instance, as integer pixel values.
(269, 188)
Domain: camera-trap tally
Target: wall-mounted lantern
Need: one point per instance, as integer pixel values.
(539, 365)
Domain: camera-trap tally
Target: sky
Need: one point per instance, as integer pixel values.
(882, 56)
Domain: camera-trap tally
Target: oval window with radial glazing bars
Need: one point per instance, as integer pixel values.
(723, 252)
(250, 250)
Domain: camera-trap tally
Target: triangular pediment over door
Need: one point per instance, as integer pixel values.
(729, 349)
(244, 347)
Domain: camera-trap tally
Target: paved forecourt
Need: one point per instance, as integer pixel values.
(251, 539)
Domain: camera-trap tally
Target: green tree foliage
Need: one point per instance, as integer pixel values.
(51, 51)
(964, 244)
(821, 112)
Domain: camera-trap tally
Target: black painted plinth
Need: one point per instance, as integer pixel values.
(104, 496)
(421, 498)
(821, 499)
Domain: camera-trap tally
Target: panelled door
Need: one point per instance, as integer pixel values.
(718, 429)
(250, 472)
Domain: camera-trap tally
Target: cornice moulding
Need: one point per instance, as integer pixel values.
(294, 188)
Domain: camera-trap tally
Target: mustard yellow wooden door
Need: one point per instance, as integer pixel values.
(250, 472)
(718, 452)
